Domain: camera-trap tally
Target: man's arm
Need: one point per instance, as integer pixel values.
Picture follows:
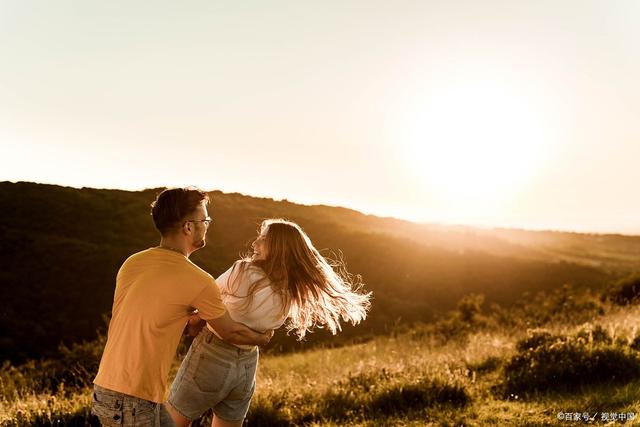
(237, 333)
(194, 325)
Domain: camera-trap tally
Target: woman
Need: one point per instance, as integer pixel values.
(286, 279)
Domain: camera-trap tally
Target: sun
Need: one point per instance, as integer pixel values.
(474, 145)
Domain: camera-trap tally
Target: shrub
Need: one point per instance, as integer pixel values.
(596, 334)
(536, 339)
(417, 395)
(547, 362)
(490, 364)
(635, 344)
(73, 370)
(268, 411)
(381, 393)
(459, 323)
(564, 305)
(470, 307)
(369, 395)
(624, 292)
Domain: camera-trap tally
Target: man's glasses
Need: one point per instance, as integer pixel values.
(207, 221)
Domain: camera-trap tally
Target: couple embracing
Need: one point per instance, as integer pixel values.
(160, 293)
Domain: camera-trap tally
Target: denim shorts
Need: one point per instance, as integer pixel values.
(215, 374)
(118, 409)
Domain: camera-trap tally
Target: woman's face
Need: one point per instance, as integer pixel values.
(259, 247)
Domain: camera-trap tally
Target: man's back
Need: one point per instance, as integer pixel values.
(155, 291)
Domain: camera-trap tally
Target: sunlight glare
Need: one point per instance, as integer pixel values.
(475, 144)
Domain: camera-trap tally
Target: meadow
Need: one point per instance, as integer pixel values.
(564, 358)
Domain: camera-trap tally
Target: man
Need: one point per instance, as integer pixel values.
(156, 292)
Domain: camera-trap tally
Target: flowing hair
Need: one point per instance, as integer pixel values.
(315, 291)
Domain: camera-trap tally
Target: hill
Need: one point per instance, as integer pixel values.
(471, 368)
(61, 248)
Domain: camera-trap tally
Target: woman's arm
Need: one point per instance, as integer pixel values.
(237, 333)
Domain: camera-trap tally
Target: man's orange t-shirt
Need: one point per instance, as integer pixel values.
(156, 290)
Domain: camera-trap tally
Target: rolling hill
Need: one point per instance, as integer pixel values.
(61, 248)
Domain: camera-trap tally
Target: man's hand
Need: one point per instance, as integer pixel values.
(194, 325)
(267, 335)
(237, 333)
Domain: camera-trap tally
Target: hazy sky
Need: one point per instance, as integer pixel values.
(507, 113)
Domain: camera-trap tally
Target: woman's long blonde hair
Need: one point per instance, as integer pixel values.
(317, 291)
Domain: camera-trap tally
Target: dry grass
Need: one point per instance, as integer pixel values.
(43, 409)
(336, 387)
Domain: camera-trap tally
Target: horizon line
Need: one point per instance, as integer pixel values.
(437, 223)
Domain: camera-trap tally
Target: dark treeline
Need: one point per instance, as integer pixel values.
(61, 249)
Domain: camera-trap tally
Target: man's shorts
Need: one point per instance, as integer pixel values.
(118, 409)
(215, 374)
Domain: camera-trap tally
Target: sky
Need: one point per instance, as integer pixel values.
(494, 113)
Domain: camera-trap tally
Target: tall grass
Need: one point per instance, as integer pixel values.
(565, 362)
(444, 373)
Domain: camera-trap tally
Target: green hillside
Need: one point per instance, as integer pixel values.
(536, 364)
(61, 248)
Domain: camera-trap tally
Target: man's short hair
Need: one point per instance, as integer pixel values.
(172, 206)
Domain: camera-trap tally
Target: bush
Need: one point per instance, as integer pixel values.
(470, 307)
(596, 334)
(536, 339)
(625, 291)
(72, 371)
(466, 319)
(564, 305)
(272, 410)
(490, 364)
(370, 395)
(635, 344)
(417, 395)
(547, 362)
(381, 393)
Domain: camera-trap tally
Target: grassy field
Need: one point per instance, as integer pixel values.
(461, 371)
(472, 365)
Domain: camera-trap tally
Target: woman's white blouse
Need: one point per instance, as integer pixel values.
(265, 310)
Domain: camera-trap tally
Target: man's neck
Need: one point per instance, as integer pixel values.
(176, 246)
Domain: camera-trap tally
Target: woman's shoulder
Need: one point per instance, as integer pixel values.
(249, 269)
